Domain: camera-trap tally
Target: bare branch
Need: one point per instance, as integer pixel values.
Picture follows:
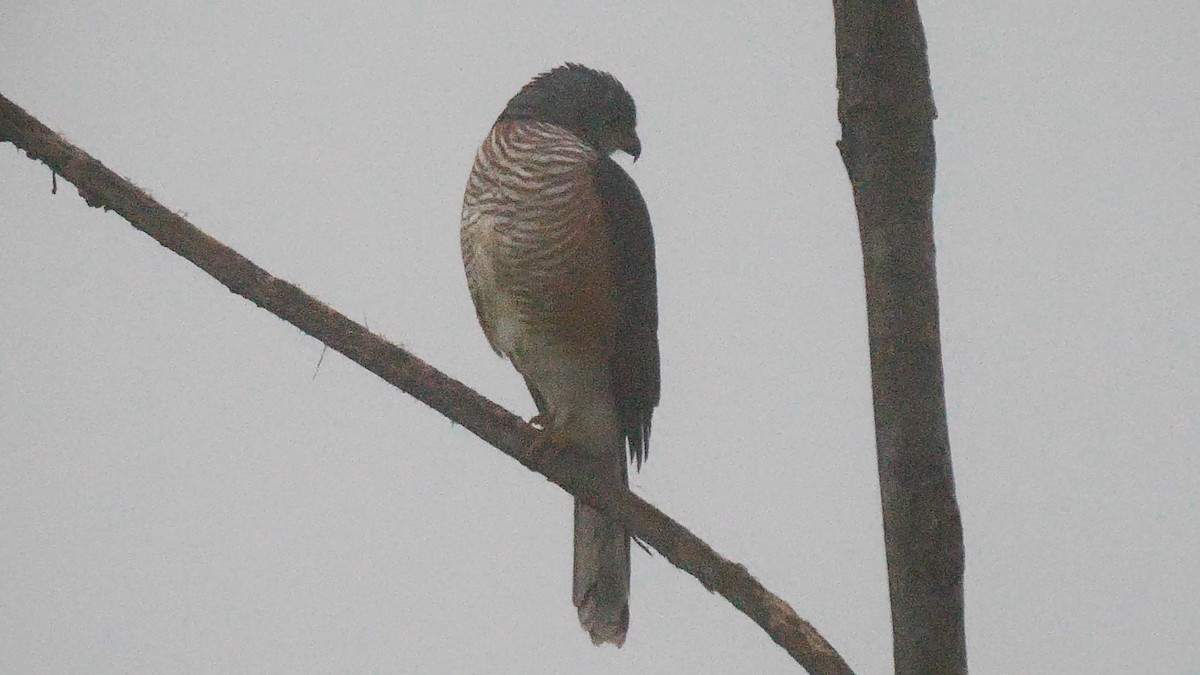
(102, 188)
(886, 109)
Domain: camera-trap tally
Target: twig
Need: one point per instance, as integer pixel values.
(102, 188)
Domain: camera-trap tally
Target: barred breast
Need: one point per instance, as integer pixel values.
(533, 242)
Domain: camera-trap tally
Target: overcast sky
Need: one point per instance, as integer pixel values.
(182, 489)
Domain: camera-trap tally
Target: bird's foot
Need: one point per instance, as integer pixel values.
(547, 447)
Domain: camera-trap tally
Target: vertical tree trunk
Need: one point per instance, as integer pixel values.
(886, 109)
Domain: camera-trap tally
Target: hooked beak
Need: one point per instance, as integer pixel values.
(633, 148)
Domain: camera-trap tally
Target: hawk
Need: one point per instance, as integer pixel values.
(559, 256)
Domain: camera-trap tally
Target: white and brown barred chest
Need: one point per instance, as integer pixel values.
(534, 242)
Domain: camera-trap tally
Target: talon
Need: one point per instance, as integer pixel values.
(545, 449)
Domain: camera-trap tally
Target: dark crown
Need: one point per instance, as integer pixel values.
(576, 98)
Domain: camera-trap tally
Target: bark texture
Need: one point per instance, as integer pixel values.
(886, 109)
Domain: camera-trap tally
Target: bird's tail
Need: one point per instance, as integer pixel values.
(601, 588)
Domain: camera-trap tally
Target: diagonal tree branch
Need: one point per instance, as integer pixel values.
(102, 188)
(885, 105)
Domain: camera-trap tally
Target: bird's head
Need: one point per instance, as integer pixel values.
(590, 103)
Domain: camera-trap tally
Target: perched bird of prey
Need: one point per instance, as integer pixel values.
(559, 256)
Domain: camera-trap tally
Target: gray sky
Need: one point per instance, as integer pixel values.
(178, 493)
